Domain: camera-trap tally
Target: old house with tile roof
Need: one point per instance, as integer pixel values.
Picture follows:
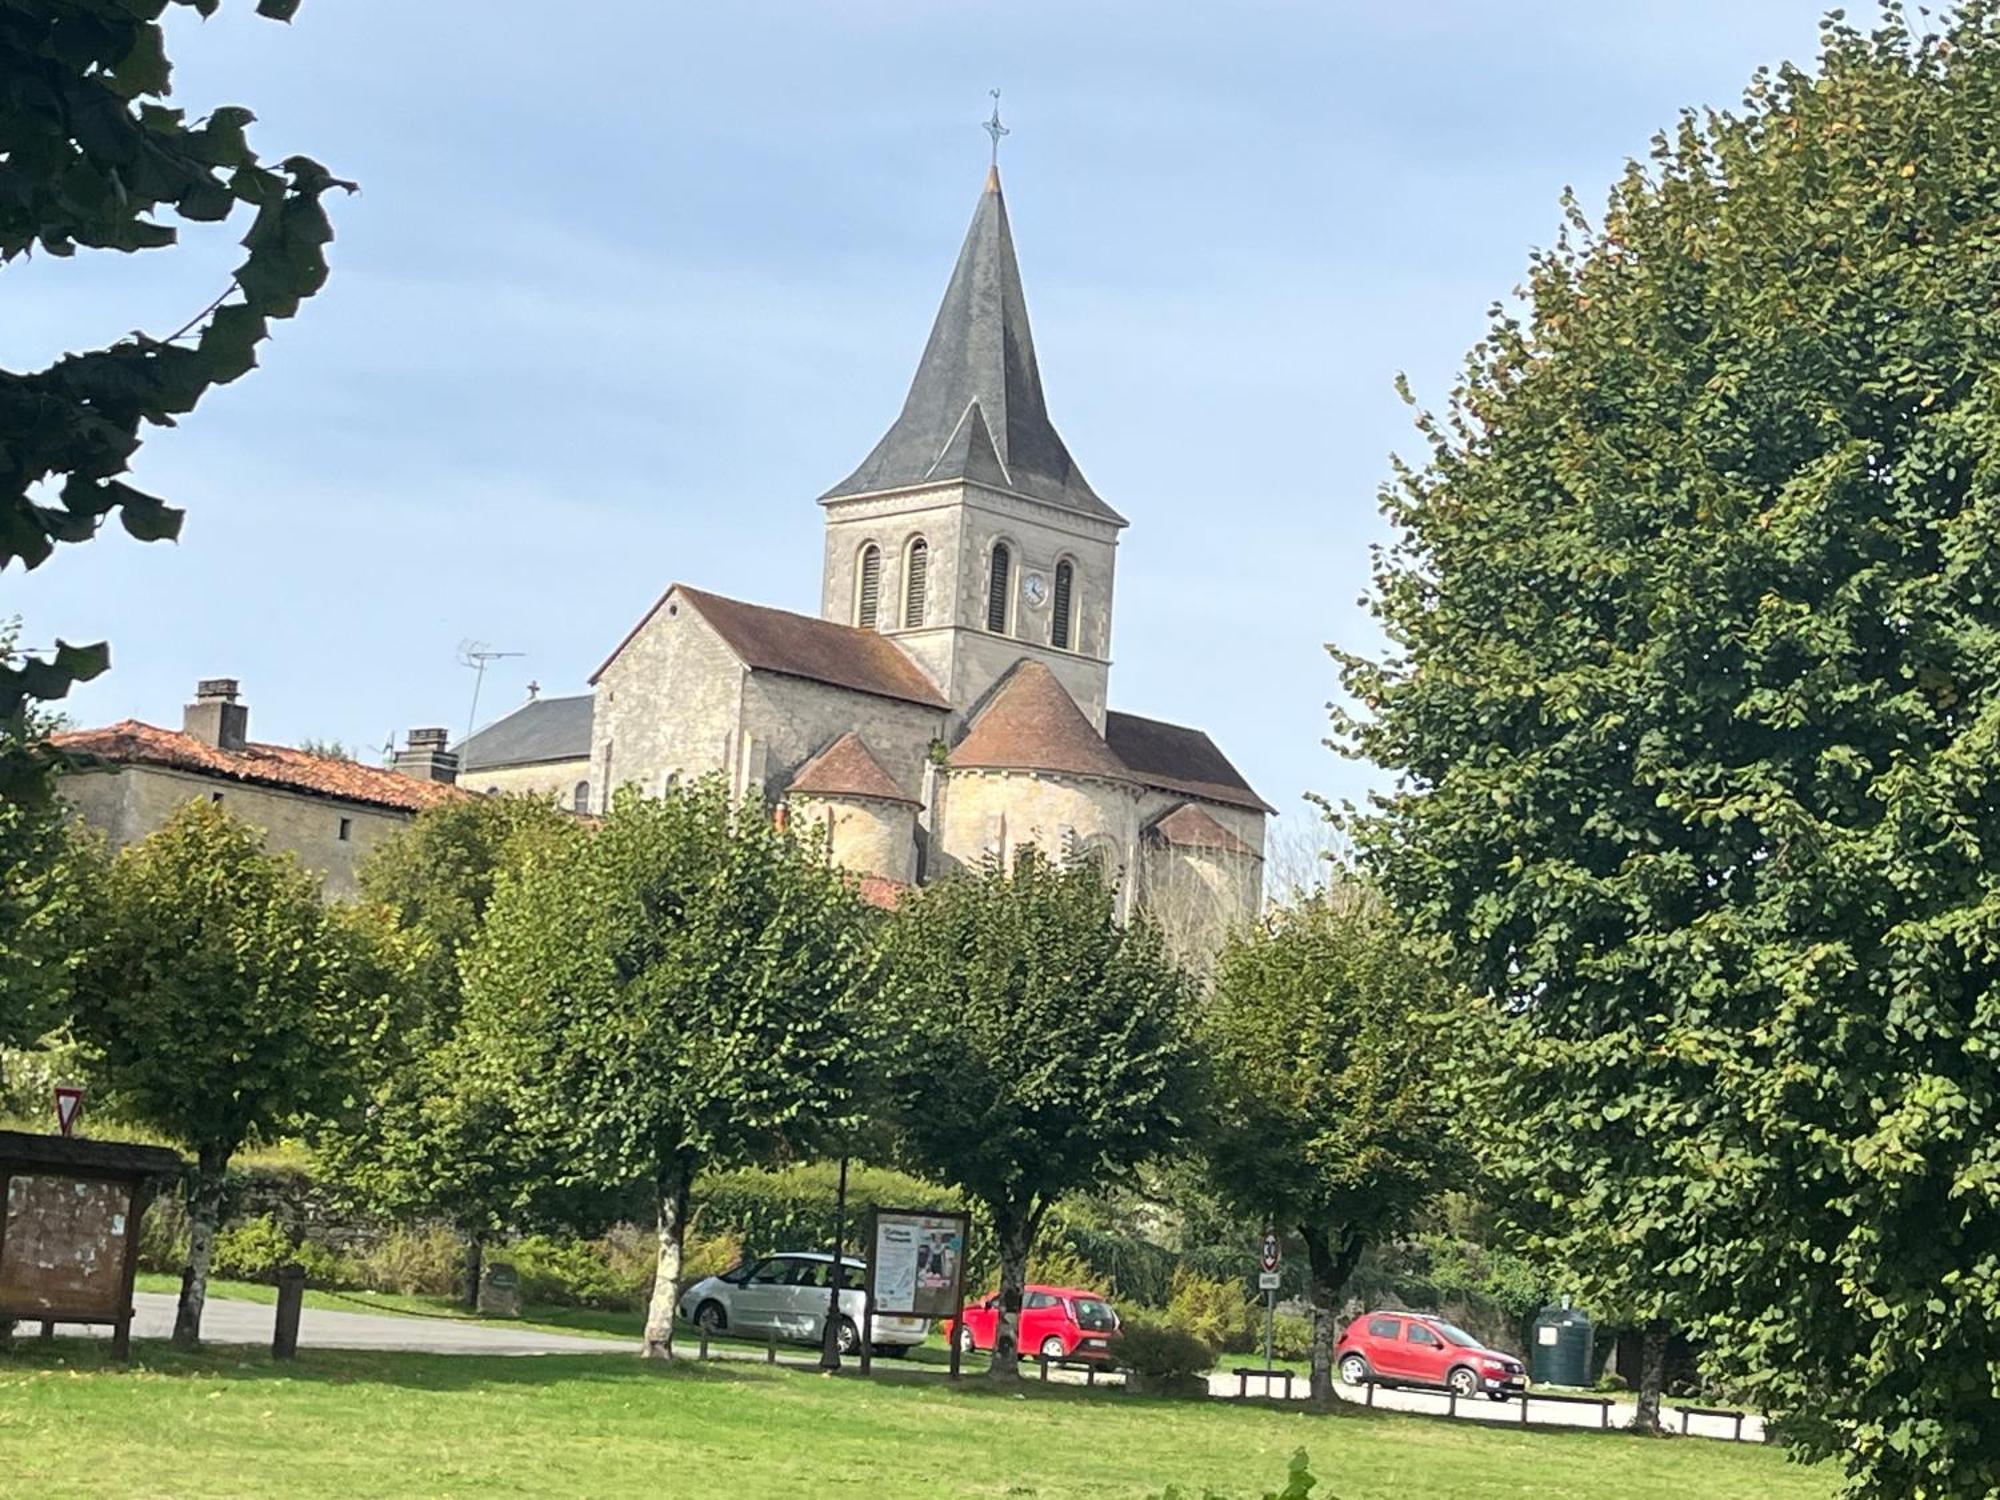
(130, 776)
(949, 704)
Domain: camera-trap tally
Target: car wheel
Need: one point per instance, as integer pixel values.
(1353, 1370)
(1052, 1348)
(1463, 1382)
(848, 1339)
(711, 1319)
(966, 1341)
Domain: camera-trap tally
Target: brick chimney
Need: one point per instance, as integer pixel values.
(215, 717)
(425, 756)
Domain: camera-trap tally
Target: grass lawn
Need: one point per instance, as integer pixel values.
(224, 1422)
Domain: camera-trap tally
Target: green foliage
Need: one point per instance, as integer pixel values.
(793, 1208)
(1161, 1350)
(217, 1001)
(1291, 1338)
(97, 158)
(1299, 1484)
(1219, 1313)
(1327, 1039)
(257, 1249)
(427, 1260)
(1063, 1057)
(1693, 698)
(575, 1273)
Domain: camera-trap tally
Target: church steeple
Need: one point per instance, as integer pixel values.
(975, 410)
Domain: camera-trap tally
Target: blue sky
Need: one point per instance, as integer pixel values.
(629, 283)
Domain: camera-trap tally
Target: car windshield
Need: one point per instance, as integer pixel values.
(1457, 1335)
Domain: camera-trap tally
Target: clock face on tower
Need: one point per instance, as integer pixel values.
(1036, 588)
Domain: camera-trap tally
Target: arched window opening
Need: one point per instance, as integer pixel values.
(868, 592)
(1059, 626)
(916, 582)
(580, 800)
(996, 589)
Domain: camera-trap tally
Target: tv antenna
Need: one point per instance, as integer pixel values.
(476, 655)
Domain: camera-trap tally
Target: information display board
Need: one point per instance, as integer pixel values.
(916, 1267)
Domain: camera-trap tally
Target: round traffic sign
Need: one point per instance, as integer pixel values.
(1270, 1251)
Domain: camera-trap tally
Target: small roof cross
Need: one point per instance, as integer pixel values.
(994, 128)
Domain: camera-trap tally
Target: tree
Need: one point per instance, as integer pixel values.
(217, 1004)
(1329, 1114)
(1693, 701)
(675, 991)
(1035, 1046)
(95, 158)
(436, 1137)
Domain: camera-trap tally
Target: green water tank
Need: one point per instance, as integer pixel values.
(1562, 1349)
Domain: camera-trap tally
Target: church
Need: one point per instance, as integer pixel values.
(950, 704)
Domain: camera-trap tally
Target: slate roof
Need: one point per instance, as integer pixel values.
(1188, 827)
(776, 640)
(975, 410)
(1175, 758)
(848, 768)
(544, 729)
(130, 742)
(1032, 724)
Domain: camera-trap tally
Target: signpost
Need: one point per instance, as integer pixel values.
(69, 1105)
(916, 1269)
(1267, 1283)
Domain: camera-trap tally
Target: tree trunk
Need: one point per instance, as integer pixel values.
(1331, 1256)
(1652, 1376)
(475, 1266)
(204, 1218)
(1016, 1234)
(667, 1271)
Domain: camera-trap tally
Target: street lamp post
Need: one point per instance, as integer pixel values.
(829, 1347)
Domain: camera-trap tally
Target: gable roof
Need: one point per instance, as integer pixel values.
(848, 768)
(1175, 758)
(975, 409)
(1189, 827)
(130, 742)
(543, 729)
(1032, 724)
(776, 640)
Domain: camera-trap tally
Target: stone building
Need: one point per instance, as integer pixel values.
(950, 703)
(330, 812)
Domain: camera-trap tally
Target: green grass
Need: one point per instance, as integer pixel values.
(224, 1422)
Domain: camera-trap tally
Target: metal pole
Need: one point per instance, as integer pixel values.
(1270, 1319)
(829, 1344)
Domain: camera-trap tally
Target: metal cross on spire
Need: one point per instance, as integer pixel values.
(994, 128)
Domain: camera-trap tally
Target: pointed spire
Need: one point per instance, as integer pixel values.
(976, 404)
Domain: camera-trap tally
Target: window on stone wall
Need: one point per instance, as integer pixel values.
(868, 591)
(996, 589)
(346, 829)
(580, 799)
(1059, 622)
(916, 582)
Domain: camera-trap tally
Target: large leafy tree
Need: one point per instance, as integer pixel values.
(219, 1002)
(678, 990)
(96, 158)
(1036, 1047)
(1330, 1111)
(434, 1136)
(1694, 697)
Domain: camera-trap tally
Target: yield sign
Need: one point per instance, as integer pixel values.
(69, 1104)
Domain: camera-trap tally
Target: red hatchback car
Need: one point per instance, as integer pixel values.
(1063, 1322)
(1402, 1348)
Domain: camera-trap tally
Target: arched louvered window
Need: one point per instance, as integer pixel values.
(581, 800)
(1059, 623)
(996, 589)
(868, 592)
(916, 583)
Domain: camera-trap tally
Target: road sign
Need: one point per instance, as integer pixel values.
(1270, 1252)
(69, 1104)
(1267, 1281)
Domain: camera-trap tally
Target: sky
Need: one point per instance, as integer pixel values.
(629, 283)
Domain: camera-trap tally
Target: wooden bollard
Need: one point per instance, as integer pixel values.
(291, 1302)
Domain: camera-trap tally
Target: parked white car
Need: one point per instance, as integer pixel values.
(786, 1295)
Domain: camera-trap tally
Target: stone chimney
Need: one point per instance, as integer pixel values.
(425, 756)
(215, 717)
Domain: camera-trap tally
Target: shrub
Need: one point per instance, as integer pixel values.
(252, 1250)
(793, 1208)
(577, 1273)
(1291, 1338)
(1059, 1265)
(703, 1255)
(426, 1261)
(1165, 1355)
(1216, 1312)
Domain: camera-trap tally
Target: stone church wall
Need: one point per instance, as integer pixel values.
(983, 812)
(668, 705)
(789, 720)
(869, 837)
(549, 778)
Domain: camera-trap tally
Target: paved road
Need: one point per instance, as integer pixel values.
(229, 1322)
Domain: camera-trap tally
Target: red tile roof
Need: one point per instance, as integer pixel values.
(776, 640)
(847, 768)
(130, 742)
(882, 892)
(1032, 724)
(1188, 827)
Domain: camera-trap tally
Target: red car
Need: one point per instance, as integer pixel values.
(1404, 1348)
(1063, 1322)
